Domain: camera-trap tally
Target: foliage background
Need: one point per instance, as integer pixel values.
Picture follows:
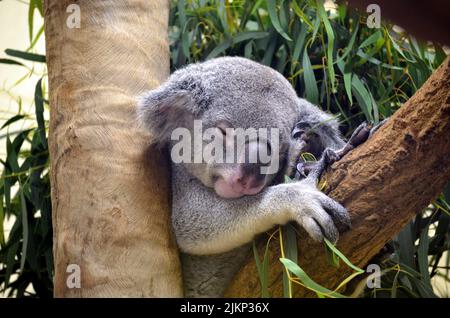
(328, 54)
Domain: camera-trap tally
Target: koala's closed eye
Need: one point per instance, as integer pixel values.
(223, 125)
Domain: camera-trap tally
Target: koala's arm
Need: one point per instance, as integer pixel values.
(206, 224)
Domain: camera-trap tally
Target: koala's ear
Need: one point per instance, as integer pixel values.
(162, 110)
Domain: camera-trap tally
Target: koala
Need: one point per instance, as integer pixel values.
(219, 207)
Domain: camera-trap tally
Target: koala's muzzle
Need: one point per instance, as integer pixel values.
(245, 177)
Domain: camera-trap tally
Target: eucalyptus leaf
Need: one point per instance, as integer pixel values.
(272, 8)
(26, 55)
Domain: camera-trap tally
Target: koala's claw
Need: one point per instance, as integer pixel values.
(304, 168)
(338, 213)
(321, 216)
(313, 170)
(377, 126)
(360, 135)
(318, 231)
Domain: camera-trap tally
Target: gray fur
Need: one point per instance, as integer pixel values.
(213, 232)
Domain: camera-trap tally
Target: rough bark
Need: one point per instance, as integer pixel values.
(110, 197)
(383, 183)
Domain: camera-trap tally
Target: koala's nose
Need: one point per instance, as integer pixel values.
(248, 179)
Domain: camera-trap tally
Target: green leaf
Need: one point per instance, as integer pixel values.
(418, 47)
(363, 97)
(378, 62)
(281, 59)
(308, 157)
(395, 285)
(219, 49)
(284, 15)
(291, 253)
(181, 13)
(406, 246)
(270, 50)
(184, 32)
(12, 155)
(248, 49)
(263, 269)
(39, 104)
(302, 15)
(36, 38)
(40, 7)
(371, 39)
(425, 291)
(398, 49)
(333, 249)
(316, 29)
(11, 62)
(222, 13)
(26, 55)
(350, 45)
(10, 259)
(440, 55)
(342, 12)
(2, 230)
(272, 8)
(422, 256)
(346, 72)
(25, 233)
(287, 179)
(376, 114)
(12, 120)
(309, 79)
(7, 184)
(31, 7)
(332, 257)
(245, 36)
(299, 44)
(307, 281)
(330, 45)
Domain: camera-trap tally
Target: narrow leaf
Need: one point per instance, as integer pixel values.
(39, 104)
(307, 281)
(363, 97)
(342, 256)
(24, 217)
(26, 55)
(12, 120)
(330, 44)
(272, 8)
(311, 90)
(11, 62)
(422, 256)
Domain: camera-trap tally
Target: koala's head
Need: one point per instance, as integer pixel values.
(208, 113)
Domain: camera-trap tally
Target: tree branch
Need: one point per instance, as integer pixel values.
(383, 183)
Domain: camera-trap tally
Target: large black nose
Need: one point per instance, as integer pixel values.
(251, 174)
(247, 179)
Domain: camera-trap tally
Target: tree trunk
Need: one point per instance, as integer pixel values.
(110, 198)
(383, 183)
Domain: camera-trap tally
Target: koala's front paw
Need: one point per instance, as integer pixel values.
(317, 213)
